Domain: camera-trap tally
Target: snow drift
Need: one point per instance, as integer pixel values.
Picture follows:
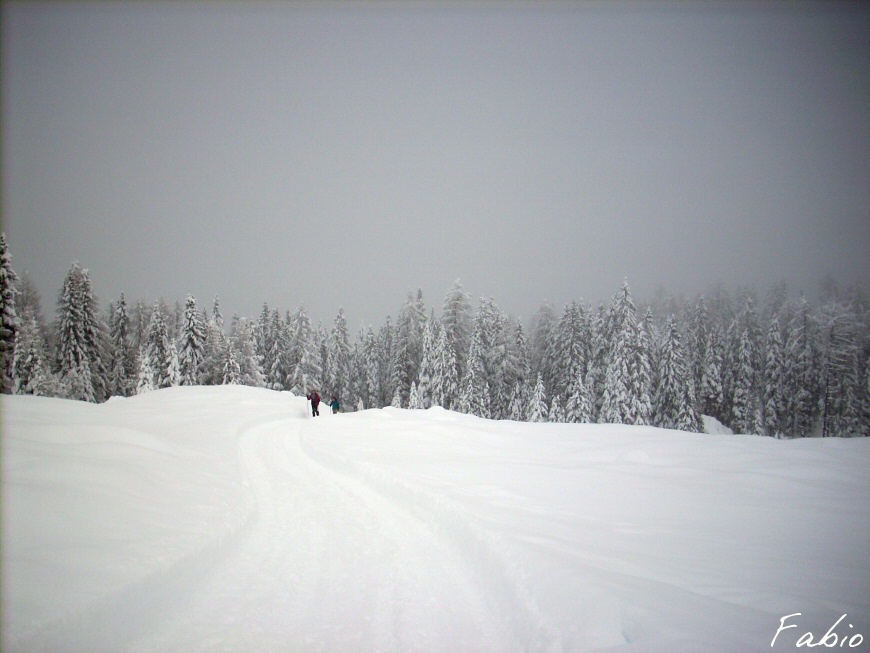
(227, 519)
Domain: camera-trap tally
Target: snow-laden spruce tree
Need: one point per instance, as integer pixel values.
(245, 353)
(491, 325)
(231, 371)
(640, 377)
(385, 364)
(145, 380)
(264, 342)
(8, 317)
(841, 392)
(456, 316)
(711, 392)
(474, 393)
(428, 390)
(191, 345)
(304, 355)
(31, 374)
(801, 363)
(616, 401)
(338, 357)
(408, 346)
(158, 357)
(564, 352)
(556, 414)
(542, 354)
(699, 338)
(597, 372)
(625, 398)
(415, 402)
(80, 339)
(773, 401)
(122, 360)
(446, 383)
(519, 408)
(368, 390)
(537, 409)
(579, 407)
(745, 408)
(279, 349)
(674, 403)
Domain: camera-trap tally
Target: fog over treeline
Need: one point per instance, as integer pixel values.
(770, 364)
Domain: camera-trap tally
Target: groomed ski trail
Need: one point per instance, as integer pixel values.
(330, 564)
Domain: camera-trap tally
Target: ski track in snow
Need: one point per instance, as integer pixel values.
(413, 531)
(301, 578)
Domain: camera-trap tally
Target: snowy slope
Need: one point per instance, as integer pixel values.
(226, 519)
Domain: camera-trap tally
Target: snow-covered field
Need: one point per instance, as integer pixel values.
(226, 519)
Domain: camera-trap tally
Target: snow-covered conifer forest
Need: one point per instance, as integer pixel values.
(774, 365)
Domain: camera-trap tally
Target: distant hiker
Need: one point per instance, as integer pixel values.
(334, 404)
(314, 398)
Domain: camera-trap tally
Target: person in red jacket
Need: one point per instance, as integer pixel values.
(314, 398)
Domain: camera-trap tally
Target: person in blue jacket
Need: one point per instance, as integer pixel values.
(334, 405)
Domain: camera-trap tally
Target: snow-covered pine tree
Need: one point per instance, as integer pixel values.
(408, 348)
(429, 386)
(556, 414)
(445, 382)
(279, 343)
(616, 402)
(30, 366)
(304, 358)
(232, 371)
(338, 357)
(623, 363)
(569, 349)
(397, 400)
(745, 409)
(173, 373)
(414, 400)
(543, 333)
(122, 365)
(674, 407)
(698, 340)
(474, 397)
(801, 371)
(711, 392)
(264, 342)
(159, 354)
(9, 322)
(145, 382)
(579, 408)
(370, 390)
(597, 373)
(840, 382)
(385, 364)
(537, 409)
(773, 401)
(192, 343)
(493, 327)
(456, 318)
(519, 410)
(80, 336)
(216, 315)
(245, 353)
(640, 377)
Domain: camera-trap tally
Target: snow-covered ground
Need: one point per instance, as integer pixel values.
(226, 519)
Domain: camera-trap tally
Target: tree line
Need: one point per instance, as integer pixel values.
(788, 369)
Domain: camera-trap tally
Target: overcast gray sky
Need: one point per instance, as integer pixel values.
(343, 154)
